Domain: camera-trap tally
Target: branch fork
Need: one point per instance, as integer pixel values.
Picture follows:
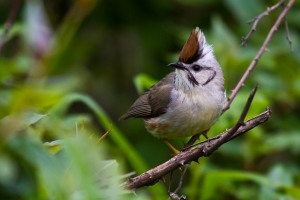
(201, 149)
(207, 147)
(263, 47)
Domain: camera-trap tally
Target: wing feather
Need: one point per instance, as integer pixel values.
(153, 102)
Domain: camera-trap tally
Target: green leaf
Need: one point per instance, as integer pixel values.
(143, 82)
(19, 121)
(282, 141)
(115, 134)
(53, 146)
(15, 30)
(214, 180)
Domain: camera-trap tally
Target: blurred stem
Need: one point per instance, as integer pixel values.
(9, 21)
(73, 20)
(115, 134)
(197, 174)
(104, 135)
(69, 27)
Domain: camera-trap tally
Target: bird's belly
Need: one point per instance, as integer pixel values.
(186, 118)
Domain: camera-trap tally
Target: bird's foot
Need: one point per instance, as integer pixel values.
(176, 151)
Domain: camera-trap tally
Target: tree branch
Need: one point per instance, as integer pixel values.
(9, 22)
(207, 147)
(255, 20)
(152, 176)
(210, 149)
(259, 54)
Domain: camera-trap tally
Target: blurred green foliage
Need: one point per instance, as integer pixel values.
(69, 69)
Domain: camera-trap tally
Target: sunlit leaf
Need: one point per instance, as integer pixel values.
(214, 180)
(18, 121)
(15, 30)
(282, 141)
(53, 146)
(143, 82)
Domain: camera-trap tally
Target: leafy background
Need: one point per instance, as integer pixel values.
(69, 69)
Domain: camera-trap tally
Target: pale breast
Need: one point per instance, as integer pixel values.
(187, 115)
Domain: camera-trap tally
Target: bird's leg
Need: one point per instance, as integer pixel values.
(191, 141)
(171, 146)
(204, 133)
(176, 152)
(194, 138)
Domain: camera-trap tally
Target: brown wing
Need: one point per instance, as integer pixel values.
(153, 102)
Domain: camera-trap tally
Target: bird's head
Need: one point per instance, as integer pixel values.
(197, 65)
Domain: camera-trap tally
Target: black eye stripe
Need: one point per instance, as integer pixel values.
(210, 78)
(191, 78)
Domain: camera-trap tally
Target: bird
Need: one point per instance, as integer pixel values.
(187, 101)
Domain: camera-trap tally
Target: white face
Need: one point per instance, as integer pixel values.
(199, 73)
(197, 68)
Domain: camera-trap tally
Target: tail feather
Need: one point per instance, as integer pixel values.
(124, 117)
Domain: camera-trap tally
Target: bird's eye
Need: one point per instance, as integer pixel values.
(196, 68)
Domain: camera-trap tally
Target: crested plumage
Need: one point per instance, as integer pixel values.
(187, 101)
(192, 49)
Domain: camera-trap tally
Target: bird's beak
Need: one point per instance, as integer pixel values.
(177, 65)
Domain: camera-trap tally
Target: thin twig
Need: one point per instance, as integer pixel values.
(9, 21)
(258, 18)
(152, 176)
(76, 129)
(174, 194)
(258, 55)
(208, 149)
(170, 181)
(104, 135)
(235, 127)
(288, 34)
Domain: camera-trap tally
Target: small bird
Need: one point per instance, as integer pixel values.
(189, 100)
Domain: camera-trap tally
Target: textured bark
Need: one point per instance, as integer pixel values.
(152, 176)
